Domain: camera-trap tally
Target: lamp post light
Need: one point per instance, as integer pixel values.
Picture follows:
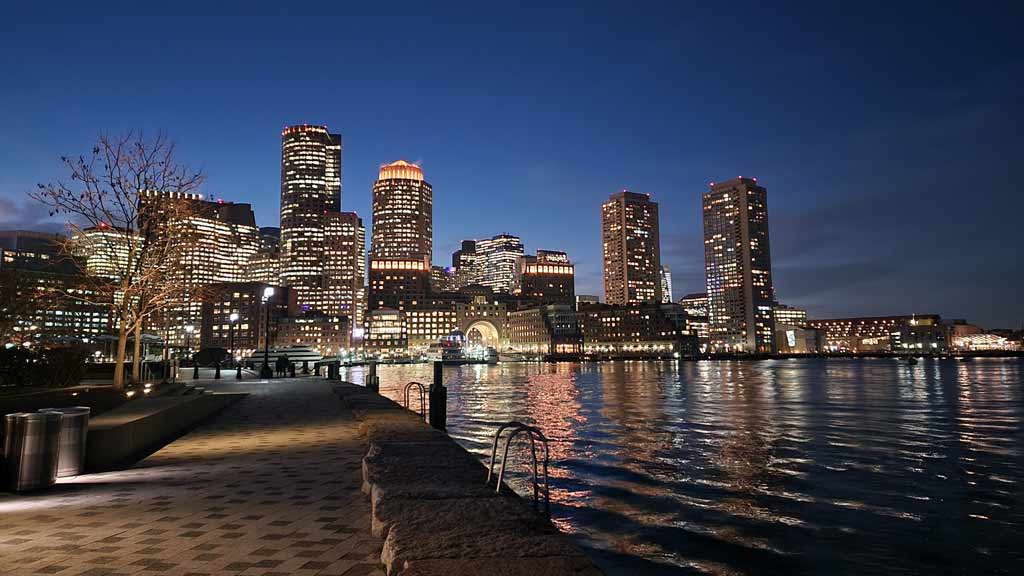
(265, 371)
(188, 338)
(231, 335)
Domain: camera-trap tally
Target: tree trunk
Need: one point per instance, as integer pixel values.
(122, 348)
(137, 354)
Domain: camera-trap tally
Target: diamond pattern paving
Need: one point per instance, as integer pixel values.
(269, 486)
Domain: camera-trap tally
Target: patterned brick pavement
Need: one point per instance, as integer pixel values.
(270, 486)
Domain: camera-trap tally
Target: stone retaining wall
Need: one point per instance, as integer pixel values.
(431, 506)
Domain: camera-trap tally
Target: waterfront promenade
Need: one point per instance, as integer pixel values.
(269, 486)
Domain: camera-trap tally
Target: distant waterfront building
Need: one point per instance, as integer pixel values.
(53, 301)
(497, 261)
(443, 279)
(547, 278)
(402, 238)
(797, 339)
(631, 248)
(738, 268)
(344, 268)
(883, 334)
(551, 330)
(648, 329)
(385, 333)
(429, 322)
(789, 315)
(695, 304)
(245, 335)
(310, 188)
(696, 308)
(464, 263)
(328, 335)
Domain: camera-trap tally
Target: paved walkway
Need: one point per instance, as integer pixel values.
(270, 486)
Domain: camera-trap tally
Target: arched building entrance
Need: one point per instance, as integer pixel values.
(483, 333)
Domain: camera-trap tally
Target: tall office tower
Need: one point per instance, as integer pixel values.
(464, 262)
(310, 187)
(221, 239)
(403, 213)
(666, 285)
(345, 267)
(497, 262)
(402, 238)
(548, 278)
(738, 267)
(632, 250)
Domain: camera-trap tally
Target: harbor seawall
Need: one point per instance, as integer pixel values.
(433, 509)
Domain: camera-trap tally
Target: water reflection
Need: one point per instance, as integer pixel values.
(788, 466)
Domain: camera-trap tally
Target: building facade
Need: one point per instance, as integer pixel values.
(547, 278)
(265, 265)
(648, 329)
(344, 268)
(738, 270)
(219, 241)
(631, 249)
(547, 331)
(44, 297)
(402, 237)
(666, 285)
(789, 315)
(329, 335)
(310, 188)
(248, 333)
(497, 262)
(881, 333)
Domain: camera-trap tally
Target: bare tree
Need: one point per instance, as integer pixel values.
(123, 201)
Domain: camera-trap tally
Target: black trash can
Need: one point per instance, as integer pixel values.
(31, 450)
(73, 430)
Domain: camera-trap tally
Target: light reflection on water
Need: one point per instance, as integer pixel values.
(788, 466)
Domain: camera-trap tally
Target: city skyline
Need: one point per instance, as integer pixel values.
(837, 217)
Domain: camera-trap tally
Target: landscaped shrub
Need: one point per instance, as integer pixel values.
(55, 367)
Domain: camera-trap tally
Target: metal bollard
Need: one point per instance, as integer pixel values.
(372, 381)
(238, 372)
(438, 415)
(216, 375)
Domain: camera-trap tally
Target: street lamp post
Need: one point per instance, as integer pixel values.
(265, 371)
(231, 335)
(188, 338)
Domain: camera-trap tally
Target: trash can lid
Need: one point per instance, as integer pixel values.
(68, 410)
(33, 416)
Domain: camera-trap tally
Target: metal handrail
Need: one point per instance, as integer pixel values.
(423, 394)
(533, 434)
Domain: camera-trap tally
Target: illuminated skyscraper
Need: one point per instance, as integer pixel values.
(497, 262)
(402, 238)
(738, 267)
(310, 188)
(632, 251)
(221, 239)
(345, 267)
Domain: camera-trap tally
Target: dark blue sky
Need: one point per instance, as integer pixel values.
(887, 134)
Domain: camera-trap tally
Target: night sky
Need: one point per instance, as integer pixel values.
(887, 134)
